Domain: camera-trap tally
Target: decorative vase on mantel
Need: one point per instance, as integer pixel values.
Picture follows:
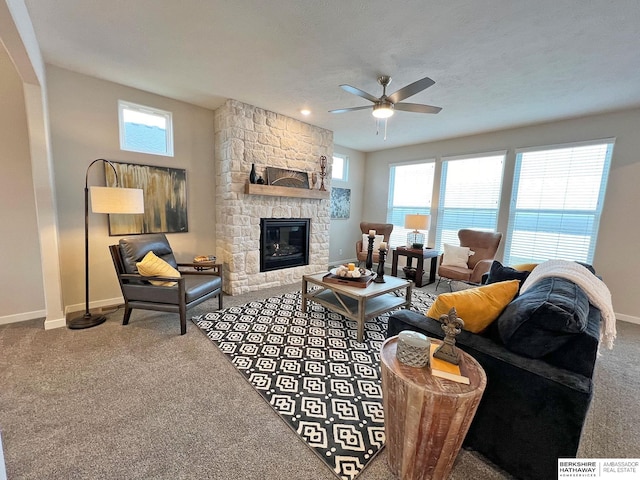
(253, 176)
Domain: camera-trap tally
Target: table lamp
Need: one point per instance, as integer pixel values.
(103, 200)
(417, 222)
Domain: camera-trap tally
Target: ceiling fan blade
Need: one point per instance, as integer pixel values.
(416, 108)
(352, 109)
(411, 89)
(360, 93)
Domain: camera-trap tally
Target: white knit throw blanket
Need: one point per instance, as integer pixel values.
(598, 293)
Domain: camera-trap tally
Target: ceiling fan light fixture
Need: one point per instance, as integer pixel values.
(383, 110)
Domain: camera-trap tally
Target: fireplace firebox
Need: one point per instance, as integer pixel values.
(284, 243)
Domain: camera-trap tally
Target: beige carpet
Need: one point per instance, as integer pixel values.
(141, 401)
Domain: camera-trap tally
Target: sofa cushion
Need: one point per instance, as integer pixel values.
(455, 256)
(544, 318)
(501, 273)
(376, 242)
(526, 267)
(478, 307)
(153, 266)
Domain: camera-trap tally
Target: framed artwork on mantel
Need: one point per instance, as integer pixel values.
(165, 199)
(283, 177)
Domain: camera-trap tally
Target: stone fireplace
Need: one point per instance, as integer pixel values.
(246, 135)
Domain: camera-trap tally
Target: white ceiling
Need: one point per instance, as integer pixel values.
(496, 63)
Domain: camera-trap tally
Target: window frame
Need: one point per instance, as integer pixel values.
(442, 209)
(345, 167)
(591, 216)
(168, 116)
(399, 234)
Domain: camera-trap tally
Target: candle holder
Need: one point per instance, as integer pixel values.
(323, 172)
(380, 273)
(369, 263)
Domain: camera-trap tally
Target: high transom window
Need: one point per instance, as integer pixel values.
(145, 129)
(340, 167)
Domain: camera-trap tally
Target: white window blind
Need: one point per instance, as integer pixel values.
(410, 190)
(556, 202)
(469, 195)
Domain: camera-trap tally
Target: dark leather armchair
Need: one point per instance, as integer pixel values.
(192, 288)
(484, 244)
(383, 229)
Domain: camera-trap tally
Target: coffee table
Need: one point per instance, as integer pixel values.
(355, 303)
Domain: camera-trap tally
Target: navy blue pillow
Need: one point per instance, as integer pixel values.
(545, 317)
(500, 273)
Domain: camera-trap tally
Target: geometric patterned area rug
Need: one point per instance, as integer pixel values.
(309, 367)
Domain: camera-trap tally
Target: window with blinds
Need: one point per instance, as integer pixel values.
(469, 195)
(410, 189)
(556, 202)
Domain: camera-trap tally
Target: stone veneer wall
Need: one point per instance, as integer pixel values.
(245, 134)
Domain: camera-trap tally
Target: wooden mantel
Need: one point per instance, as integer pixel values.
(276, 191)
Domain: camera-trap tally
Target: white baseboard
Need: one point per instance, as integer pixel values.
(22, 317)
(345, 260)
(79, 307)
(628, 318)
(55, 323)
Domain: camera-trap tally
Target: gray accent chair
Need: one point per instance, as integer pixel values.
(194, 286)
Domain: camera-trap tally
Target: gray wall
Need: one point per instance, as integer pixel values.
(84, 126)
(615, 257)
(344, 233)
(21, 292)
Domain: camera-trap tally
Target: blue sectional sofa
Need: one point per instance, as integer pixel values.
(539, 357)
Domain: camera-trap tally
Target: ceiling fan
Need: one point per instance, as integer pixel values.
(384, 106)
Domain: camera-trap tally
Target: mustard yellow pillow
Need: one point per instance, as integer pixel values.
(153, 266)
(479, 306)
(524, 267)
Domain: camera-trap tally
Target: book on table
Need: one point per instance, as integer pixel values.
(443, 369)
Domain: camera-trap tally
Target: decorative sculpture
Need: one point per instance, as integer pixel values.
(323, 172)
(452, 326)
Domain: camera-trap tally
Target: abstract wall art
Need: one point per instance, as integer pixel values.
(165, 199)
(340, 203)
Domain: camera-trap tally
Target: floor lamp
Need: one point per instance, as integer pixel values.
(103, 200)
(415, 239)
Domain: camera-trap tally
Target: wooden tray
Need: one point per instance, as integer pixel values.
(362, 282)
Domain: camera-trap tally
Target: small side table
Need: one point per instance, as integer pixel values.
(420, 254)
(426, 418)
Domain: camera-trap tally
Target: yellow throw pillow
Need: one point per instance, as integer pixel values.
(525, 267)
(153, 266)
(478, 306)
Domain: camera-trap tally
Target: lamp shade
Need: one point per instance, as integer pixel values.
(417, 221)
(116, 200)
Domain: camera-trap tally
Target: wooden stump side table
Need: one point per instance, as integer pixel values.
(425, 417)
